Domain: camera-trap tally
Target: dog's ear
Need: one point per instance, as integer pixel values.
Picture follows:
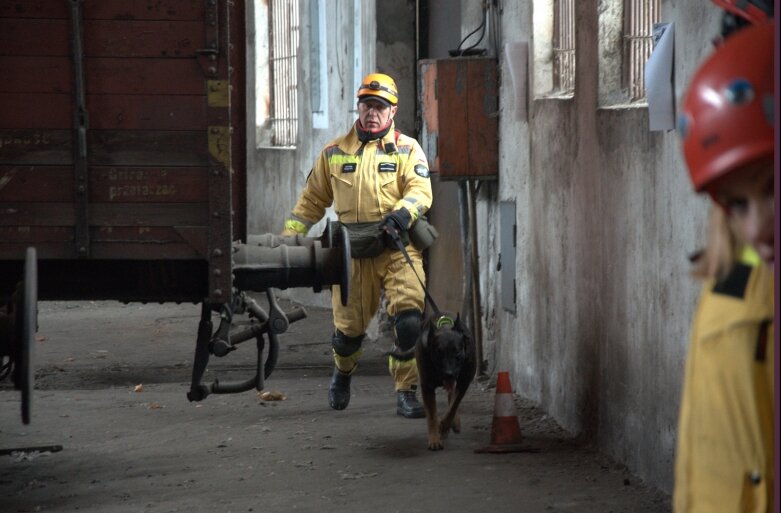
(458, 326)
(461, 327)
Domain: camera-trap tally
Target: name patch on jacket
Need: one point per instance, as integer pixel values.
(387, 167)
(421, 170)
(349, 167)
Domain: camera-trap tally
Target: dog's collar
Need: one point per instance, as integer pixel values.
(445, 321)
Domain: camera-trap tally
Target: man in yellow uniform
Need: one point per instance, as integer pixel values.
(377, 179)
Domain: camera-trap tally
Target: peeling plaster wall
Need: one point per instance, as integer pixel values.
(606, 219)
(275, 177)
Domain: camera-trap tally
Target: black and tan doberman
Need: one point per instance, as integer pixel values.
(445, 358)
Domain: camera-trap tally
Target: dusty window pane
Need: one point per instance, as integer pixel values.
(639, 19)
(283, 44)
(564, 46)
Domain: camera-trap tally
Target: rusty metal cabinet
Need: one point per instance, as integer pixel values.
(459, 116)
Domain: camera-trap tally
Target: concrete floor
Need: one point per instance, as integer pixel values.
(153, 451)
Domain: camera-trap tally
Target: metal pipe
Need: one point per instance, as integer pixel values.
(80, 127)
(477, 312)
(233, 387)
(463, 212)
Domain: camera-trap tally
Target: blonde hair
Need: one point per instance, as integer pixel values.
(721, 249)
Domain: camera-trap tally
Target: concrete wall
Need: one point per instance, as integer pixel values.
(605, 219)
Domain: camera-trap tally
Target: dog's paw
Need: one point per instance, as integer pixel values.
(435, 444)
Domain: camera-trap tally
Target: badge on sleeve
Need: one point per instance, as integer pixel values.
(421, 170)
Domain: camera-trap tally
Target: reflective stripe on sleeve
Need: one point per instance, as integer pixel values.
(411, 205)
(296, 226)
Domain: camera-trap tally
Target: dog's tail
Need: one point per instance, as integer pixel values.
(400, 354)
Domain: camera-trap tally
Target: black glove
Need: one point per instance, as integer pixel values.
(397, 220)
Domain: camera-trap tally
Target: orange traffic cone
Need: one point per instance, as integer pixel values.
(505, 431)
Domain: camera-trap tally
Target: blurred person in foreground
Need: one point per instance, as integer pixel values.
(725, 446)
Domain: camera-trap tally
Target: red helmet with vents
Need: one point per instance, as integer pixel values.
(727, 116)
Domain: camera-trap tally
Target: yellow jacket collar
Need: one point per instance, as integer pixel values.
(718, 311)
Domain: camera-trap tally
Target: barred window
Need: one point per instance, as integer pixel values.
(564, 46)
(639, 19)
(283, 26)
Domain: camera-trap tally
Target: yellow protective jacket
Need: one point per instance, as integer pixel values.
(364, 182)
(724, 460)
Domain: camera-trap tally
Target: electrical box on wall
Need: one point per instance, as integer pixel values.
(459, 107)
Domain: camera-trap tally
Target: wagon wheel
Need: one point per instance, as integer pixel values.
(20, 327)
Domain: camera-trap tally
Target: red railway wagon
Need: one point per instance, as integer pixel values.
(122, 165)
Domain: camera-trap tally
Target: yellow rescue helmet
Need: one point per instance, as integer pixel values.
(378, 86)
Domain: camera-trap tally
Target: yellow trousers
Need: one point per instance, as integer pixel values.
(390, 272)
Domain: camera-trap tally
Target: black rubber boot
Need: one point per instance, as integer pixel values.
(407, 405)
(339, 391)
